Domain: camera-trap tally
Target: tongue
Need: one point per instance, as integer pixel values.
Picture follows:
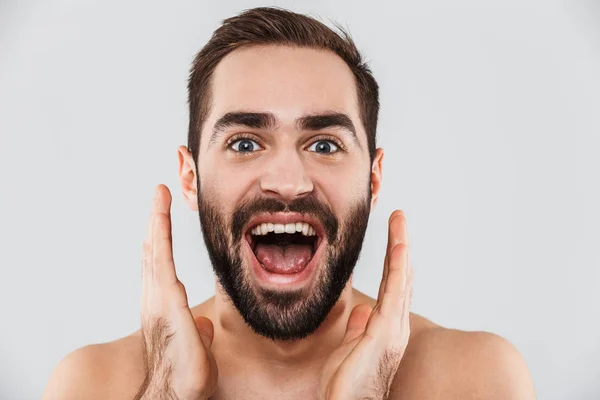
(288, 259)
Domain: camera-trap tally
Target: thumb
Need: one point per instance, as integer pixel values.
(205, 329)
(357, 322)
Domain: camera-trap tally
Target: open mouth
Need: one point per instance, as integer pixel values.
(284, 247)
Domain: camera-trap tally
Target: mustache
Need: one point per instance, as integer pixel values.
(308, 205)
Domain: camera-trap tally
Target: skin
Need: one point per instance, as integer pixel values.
(342, 359)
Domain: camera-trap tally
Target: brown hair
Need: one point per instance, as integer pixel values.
(271, 25)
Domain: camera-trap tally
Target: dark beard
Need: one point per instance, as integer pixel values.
(284, 315)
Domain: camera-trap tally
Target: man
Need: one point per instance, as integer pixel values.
(282, 167)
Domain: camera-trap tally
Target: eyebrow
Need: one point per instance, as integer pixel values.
(317, 122)
(268, 121)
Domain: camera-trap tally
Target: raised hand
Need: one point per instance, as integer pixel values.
(177, 354)
(366, 362)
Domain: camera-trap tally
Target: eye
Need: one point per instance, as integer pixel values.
(323, 147)
(244, 146)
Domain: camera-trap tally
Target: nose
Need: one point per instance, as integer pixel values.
(285, 177)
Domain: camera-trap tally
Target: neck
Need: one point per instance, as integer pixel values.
(241, 341)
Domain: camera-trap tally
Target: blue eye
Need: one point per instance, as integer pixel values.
(245, 146)
(323, 147)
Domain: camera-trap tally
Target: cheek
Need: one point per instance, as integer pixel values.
(343, 187)
(225, 184)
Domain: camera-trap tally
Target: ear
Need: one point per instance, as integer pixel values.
(187, 177)
(376, 169)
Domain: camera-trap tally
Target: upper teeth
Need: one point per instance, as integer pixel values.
(293, 227)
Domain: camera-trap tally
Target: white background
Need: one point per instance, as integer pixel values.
(490, 120)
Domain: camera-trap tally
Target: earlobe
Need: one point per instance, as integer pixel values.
(188, 177)
(376, 176)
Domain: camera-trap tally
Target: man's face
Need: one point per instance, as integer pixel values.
(284, 180)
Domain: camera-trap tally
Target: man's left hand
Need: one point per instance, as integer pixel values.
(366, 362)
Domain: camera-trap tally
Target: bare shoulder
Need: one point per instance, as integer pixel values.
(453, 364)
(441, 363)
(112, 370)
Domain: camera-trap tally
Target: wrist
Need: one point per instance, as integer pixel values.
(156, 387)
(161, 389)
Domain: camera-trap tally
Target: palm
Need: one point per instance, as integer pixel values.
(337, 372)
(176, 345)
(366, 362)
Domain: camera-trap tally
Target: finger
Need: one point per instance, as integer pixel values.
(383, 279)
(395, 289)
(206, 329)
(147, 253)
(398, 236)
(404, 332)
(387, 316)
(162, 246)
(357, 322)
(409, 289)
(397, 232)
(394, 236)
(147, 271)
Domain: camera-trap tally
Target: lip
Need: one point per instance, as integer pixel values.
(272, 280)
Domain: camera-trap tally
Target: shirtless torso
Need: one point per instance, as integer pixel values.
(439, 363)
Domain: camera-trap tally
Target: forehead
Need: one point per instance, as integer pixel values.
(287, 81)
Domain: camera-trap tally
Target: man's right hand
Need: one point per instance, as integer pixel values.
(177, 354)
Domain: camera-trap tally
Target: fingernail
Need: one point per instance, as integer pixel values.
(156, 194)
